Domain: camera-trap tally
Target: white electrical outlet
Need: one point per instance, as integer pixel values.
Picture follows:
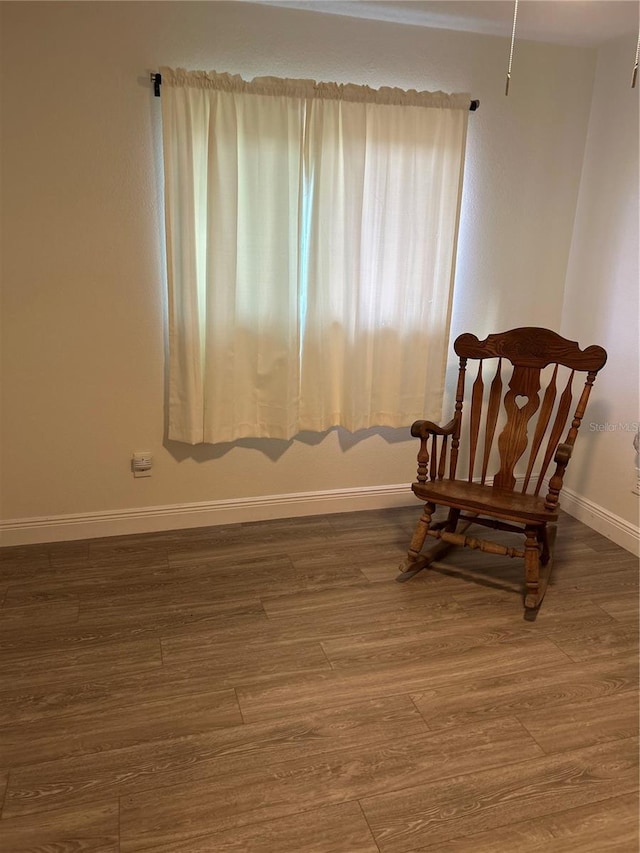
(141, 464)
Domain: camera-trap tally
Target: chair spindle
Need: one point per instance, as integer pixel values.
(541, 426)
(493, 409)
(474, 420)
(556, 431)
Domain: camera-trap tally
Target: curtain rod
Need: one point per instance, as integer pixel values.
(156, 79)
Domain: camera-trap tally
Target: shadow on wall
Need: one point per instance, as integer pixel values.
(274, 448)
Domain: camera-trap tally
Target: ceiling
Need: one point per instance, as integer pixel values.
(572, 22)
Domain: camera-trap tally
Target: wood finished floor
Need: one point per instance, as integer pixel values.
(270, 688)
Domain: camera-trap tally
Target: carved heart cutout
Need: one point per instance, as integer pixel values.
(521, 400)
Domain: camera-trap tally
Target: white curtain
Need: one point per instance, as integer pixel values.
(311, 237)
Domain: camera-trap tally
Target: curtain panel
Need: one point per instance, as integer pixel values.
(311, 239)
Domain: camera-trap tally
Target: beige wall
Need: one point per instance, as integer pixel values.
(601, 297)
(83, 306)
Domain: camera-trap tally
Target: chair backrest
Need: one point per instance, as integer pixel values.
(537, 367)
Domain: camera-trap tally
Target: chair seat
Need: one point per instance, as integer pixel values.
(487, 500)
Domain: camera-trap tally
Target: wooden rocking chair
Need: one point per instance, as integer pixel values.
(504, 501)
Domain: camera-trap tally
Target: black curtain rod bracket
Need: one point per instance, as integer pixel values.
(156, 79)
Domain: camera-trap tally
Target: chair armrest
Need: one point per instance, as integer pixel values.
(563, 454)
(562, 457)
(423, 429)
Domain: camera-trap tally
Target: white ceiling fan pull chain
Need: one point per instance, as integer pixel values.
(513, 38)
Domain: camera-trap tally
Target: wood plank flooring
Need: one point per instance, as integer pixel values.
(270, 688)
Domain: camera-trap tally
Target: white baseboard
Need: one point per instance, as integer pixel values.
(616, 529)
(61, 528)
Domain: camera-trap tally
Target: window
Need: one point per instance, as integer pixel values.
(311, 232)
